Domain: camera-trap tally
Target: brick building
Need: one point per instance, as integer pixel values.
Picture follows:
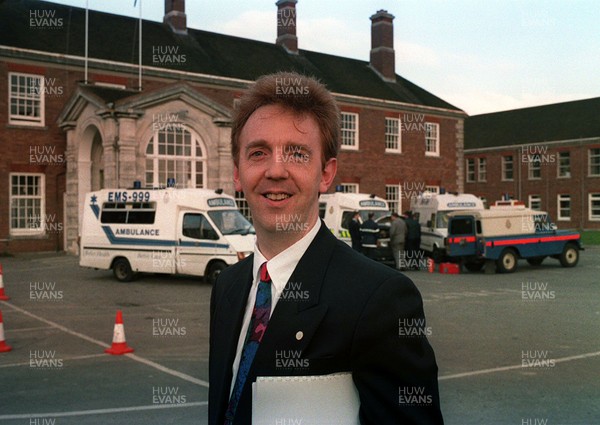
(69, 124)
(546, 156)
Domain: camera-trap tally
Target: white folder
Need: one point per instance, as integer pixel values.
(305, 400)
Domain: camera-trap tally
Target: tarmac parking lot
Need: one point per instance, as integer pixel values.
(522, 348)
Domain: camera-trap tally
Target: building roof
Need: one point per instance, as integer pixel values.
(556, 122)
(115, 38)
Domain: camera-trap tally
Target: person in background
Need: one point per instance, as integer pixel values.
(413, 237)
(354, 229)
(398, 238)
(369, 235)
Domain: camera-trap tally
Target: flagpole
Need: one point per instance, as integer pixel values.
(140, 52)
(86, 40)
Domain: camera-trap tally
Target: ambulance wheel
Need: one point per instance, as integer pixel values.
(569, 256)
(536, 261)
(213, 272)
(122, 270)
(507, 262)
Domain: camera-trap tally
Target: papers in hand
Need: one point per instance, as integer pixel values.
(305, 400)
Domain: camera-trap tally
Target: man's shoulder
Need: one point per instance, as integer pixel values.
(234, 272)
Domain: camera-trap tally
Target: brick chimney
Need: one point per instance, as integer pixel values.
(175, 16)
(286, 25)
(382, 45)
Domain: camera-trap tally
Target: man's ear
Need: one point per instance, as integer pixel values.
(236, 178)
(328, 174)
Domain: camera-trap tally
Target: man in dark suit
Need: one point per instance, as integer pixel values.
(317, 301)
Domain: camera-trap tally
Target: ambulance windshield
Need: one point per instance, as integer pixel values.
(231, 222)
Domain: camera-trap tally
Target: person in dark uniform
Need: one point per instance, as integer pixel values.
(369, 232)
(354, 228)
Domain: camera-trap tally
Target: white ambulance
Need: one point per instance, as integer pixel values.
(432, 211)
(175, 231)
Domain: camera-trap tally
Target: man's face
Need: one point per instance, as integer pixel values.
(280, 170)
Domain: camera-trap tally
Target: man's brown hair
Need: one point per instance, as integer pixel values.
(298, 93)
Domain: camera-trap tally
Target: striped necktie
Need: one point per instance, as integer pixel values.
(256, 330)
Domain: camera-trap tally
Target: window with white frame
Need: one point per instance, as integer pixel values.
(349, 130)
(564, 164)
(393, 142)
(432, 189)
(432, 139)
(392, 196)
(242, 205)
(507, 168)
(594, 162)
(26, 99)
(481, 169)
(175, 153)
(535, 168)
(349, 187)
(535, 202)
(470, 169)
(594, 206)
(27, 203)
(564, 207)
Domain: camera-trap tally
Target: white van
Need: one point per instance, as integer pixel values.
(432, 211)
(175, 231)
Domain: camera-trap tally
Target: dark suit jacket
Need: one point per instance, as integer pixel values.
(354, 314)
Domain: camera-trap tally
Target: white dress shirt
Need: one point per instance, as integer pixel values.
(280, 269)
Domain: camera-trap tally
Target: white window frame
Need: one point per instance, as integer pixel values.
(349, 136)
(432, 127)
(350, 188)
(393, 135)
(242, 204)
(172, 161)
(559, 199)
(531, 169)
(597, 157)
(532, 199)
(481, 169)
(563, 174)
(26, 120)
(504, 168)
(27, 231)
(469, 179)
(432, 189)
(393, 196)
(593, 197)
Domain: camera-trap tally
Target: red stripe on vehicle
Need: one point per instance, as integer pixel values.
(532, 240)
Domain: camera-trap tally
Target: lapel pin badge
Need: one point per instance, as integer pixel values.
(299, 335)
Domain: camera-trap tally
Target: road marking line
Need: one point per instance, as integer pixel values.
(101, 411)
(505, 368)
(104, 345)
(89, 356)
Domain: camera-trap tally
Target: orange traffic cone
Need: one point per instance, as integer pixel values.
(430, 265)
(3, 347)
(119, 346)
(3, 296)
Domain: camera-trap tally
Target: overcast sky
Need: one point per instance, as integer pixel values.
(480, 55)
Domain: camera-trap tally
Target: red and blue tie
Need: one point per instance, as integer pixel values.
(256, 330)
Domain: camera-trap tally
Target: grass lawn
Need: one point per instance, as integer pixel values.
(590, 237)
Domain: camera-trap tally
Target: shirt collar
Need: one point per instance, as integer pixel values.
(282, 266)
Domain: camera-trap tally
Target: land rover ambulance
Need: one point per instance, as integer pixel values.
(432, 211)
(175, 231)
(337, 209)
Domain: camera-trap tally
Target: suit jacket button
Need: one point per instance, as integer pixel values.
(299, 335)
